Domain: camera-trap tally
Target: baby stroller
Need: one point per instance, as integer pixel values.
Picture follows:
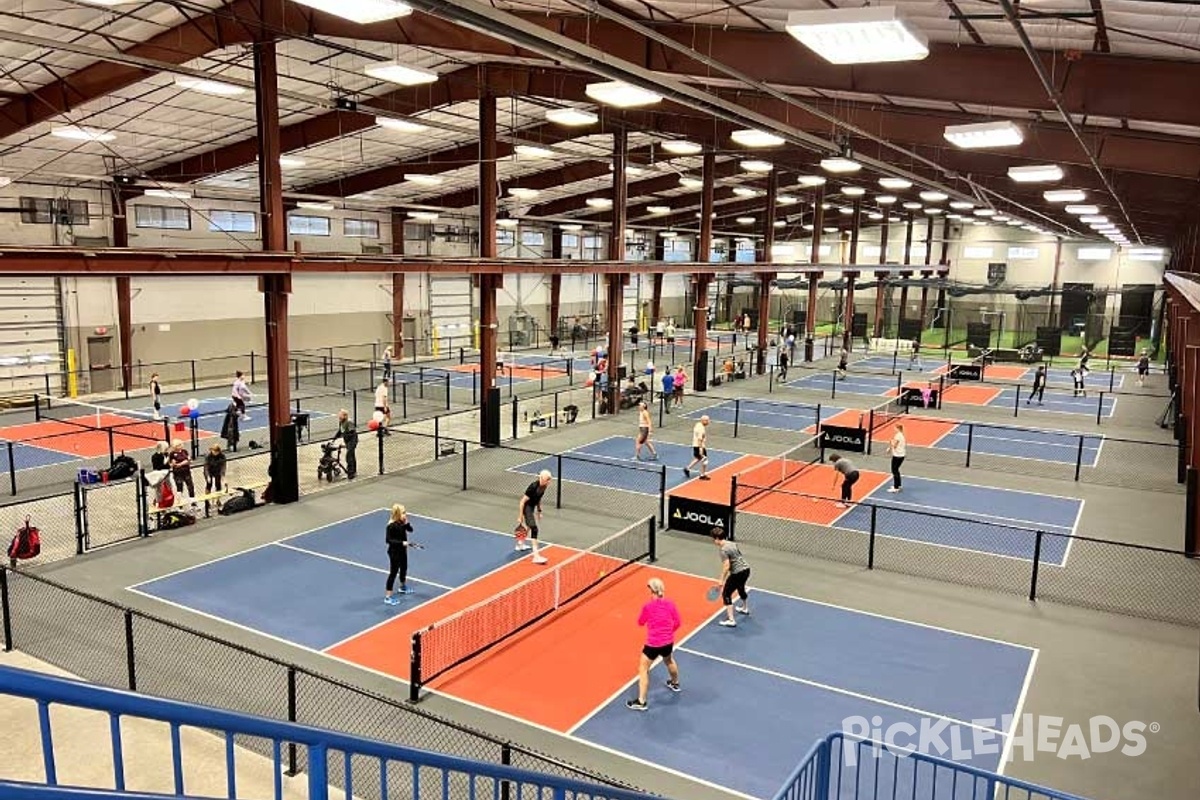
(330, 464)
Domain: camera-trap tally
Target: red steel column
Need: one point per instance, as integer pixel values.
(488, 283)
(848, 332)
(765, 278)
(555, 300)
(883, 240)
(124, 290)
(810, 322)
(880, 282)
(700, 281)
(275, 288)
(704, 244)
(700, 320)
(656, 297)
(616, 252)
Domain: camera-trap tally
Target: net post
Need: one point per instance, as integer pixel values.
(195, 426)
(474, 388)
(737, 415)
(555, 418)
(770, 378)
(80, 514)
(558, 483)
(130, 663)
(296, 373)
(464, 464)
(437, 435)
(253, 372)
(12, 469)
(541, 377)
(192, 362)
(292, 717)
(1112, 378)
(515, 406)
(379, 442)
(6, 608)
(970, 441)
(1079, 458)
(871, 539)
(941, 390)
(833, 392)
(414, 670)
(421, 382)
(652, 532)
(143, 515)
(354, 407)
(1017, 402)
(37, 408)
(899, 383)
(818, 418)
(343, 377)
(166, 423)
(1100, 408)
(404, 400)
(732, 505)
(870, 430)
(447, 391)
(462, 356)
(662, 495)
(1037, 558)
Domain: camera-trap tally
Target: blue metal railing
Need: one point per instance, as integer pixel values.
(422, 775)
(846, 767)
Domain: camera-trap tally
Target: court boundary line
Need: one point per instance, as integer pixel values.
(883, 502)
(352, 563)
(1012, 737)
(1074, 529)
(842, 691)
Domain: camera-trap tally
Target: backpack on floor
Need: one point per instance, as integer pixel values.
(26, 544)
(123, 466)
(238, 503)
(171, 520)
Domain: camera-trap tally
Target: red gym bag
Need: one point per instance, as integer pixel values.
(26, 544)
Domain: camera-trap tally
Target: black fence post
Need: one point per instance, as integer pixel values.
(1100, 408)
(474, 388)
(1079, 458)
(447, 391)
(130, 664)
(291, 700)
(6, 609)
(770, 378)
(354, 407)
(112, 445)
(871, 539)
(437, 435)
(404, 400)
(414, 670)
(464, 464)
(1037, 558)
(296, 373)
(421, 382)
(554, 421)
(941, 390)
(662, 499)
(559, 482)
(515, 406)
(253, 371)
(870, 428)
(833, 392)
(653, 540)
(79, 514)
(193, 364)
(970, 441)
(818, 431)
(737, 415)
(379, 438)
(12, 469)
(1112, 378)
(1017, 402)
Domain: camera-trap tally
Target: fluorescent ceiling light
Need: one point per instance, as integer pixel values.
(1042, 174)
(423, 216)
(810, 181)
(206, 86)
(885, 199)
(80, 133)
(985, 212)
(365, 197)
(745, 220)
(864, 35)
(173, 194)
(690, 183)
(507, 222)
(363, 12)
(1080, 210)
(744, 191)
(1088, 219)
(933, 197)
(756, 138)
(933, 211)
(682, 147)
(630, 169)
(1100, 226)
(978, 222)
(911, 206)
(853, 191)
(572, 117)
(895, 219)
(312, 205)
(1016, 223)
(825, 206)
(807, 226)
(398, 73)
(570, 226)
(839, 164)
(422, 179)
(845, 210)
(400, 125)
(1000, 218)
(532, 151)
(521, 193)
(1093, 253)
(783, 200)
(1146, 254)
(984, 134)
(658, 209)
(754, 165)
(781, 223)
(954, 216)
(286, 162)
(875, 215)
(599, 202)
(621, 94)
(895, 183)
(830, 230)
(1031, 228)
(668, 234)
(961, 205)
(1065, 195)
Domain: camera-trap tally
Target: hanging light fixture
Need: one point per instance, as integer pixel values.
(863, 35)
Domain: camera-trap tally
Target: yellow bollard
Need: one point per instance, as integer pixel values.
(72, 378)
(475, 335)
(437, 339)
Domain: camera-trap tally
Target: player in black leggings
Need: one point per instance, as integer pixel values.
(398, 530)
(849, 474)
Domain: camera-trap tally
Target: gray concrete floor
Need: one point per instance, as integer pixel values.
(1089, 663)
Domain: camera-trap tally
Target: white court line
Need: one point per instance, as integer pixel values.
(1096, 459)
(994, 488)
(633, 681)
(969, 516)
(249, 549)
(359, 564)
(1071, 538)
(1010, 736)
(838, 690)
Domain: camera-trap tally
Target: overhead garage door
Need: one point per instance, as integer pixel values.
(450, 310)
(31, 344)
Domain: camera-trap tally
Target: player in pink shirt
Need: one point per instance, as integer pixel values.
(660, 617)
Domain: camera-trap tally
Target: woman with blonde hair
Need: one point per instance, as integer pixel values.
(660, 618)
(398, 530)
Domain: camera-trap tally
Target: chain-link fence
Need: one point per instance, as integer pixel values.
(111, 645)
(1135, 580)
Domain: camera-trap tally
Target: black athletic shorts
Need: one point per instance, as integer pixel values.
(662, 651)
(699, 452)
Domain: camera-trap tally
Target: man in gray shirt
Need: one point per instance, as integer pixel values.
(845, 469)
(735, 573)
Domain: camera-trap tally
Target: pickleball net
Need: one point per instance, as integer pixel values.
(885, 413)
(476, 629)
(92, 417)
(776, 471)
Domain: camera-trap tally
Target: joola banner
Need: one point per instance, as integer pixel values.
(696, 516)
(835, 437)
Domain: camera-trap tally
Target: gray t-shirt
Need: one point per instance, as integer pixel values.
(737, 562)
(845, 466)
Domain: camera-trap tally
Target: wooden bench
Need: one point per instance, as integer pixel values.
(208, 498)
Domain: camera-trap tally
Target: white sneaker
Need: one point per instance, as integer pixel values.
(539, 559)
(893, 490)
(841, 505)
(728, 623)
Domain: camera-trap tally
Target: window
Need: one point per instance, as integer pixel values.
(592, 243)
(170, 217)
(1094, 253)
(570, 241)
(44, 210)
(302, 225)
(361, 228)
(232, 221)
(871, 250)
(1022, 253)
(533, 238)
(977, 252)
(506, 237)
